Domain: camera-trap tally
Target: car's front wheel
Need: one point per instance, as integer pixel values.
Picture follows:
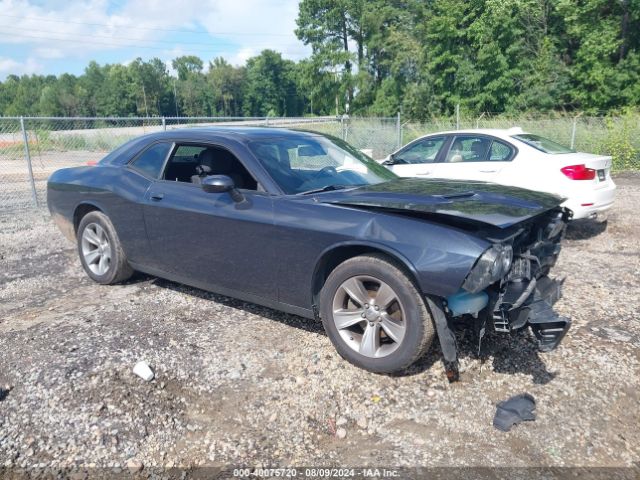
(100, 250)
(374, 314)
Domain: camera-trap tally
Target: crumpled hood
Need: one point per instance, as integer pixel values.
(490, 203)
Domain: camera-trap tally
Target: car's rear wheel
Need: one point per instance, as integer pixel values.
(100, 250)
(374, 314)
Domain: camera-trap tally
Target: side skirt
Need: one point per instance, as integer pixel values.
(227, 292)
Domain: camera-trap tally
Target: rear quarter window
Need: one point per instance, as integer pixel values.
(500, 152)
(124, 152)
(151, 161)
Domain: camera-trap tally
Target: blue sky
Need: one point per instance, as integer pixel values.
(57, 36)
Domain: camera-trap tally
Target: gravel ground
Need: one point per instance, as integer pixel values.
(238, 384)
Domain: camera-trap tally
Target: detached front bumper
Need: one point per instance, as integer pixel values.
(531, 304)
(520, 304)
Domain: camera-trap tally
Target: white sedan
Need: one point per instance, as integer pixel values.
(511, 157)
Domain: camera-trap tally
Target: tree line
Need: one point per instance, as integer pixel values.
(379, 57)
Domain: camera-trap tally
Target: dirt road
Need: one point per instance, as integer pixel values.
(238, 384)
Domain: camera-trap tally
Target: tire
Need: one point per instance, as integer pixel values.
(100, 250)
(375, 342)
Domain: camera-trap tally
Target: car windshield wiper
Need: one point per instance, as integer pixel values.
(327, 188)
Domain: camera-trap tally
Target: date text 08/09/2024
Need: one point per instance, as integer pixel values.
(316, 473)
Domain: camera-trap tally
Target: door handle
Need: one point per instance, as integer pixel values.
(488, 171)
(157, 196)
(424, 173)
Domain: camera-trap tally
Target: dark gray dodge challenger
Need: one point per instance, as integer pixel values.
(306, 224)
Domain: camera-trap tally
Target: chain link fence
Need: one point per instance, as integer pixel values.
(31, 148)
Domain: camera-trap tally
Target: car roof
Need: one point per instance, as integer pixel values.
(497, 132)
(243, 133)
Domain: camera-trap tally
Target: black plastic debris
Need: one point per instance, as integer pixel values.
(4, 392)
(517, 409)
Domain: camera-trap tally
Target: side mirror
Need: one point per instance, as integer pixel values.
(221, 184)
(217, 184)
(393, 160)
(388, 160)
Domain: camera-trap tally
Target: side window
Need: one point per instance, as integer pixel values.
(500, 152)
(191, 163)
(150, 161)
(183, 163)
(187, 154)
(468, 149)
(424, 151)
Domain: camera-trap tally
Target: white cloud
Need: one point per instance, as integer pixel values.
(237, 29)
(242, 55)
(77, 27)
(47, 52)
(10, 66)
(257, 25)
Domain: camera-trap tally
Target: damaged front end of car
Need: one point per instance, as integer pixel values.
(509, 288)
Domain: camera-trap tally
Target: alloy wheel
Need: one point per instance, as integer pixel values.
(369, 316)
(96, 249)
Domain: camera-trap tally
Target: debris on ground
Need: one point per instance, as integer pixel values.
(519, 408)
(143, 370)
(134, 465)
(4, 391)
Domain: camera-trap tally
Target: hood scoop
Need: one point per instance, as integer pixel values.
(458, 195)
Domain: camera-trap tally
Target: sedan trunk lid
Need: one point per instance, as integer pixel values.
(589, 160)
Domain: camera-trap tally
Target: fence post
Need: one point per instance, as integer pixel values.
(573, 131)
(457, 116)
(164, 124)
(398, 131)
(27, 156)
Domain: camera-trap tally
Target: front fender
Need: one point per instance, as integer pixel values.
(347, 249)
(439, 256)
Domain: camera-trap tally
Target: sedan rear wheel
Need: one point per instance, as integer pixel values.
(374, 314)
(100, 250)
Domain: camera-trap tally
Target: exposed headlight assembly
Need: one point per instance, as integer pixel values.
(492, 265)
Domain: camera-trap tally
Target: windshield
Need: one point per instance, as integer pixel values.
(308, 163)
(543, 144)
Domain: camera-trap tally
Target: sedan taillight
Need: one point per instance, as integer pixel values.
(579, 172)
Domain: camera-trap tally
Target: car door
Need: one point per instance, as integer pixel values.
(475, 157)
(210, 240)
(127, 211)
(418, 159)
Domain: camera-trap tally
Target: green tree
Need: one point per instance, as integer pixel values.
(226, 84)
(380, 57)
(602, 38)
(151, 85)
(328, 26)
(119, 95)
(270, 87)
(187, 65)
